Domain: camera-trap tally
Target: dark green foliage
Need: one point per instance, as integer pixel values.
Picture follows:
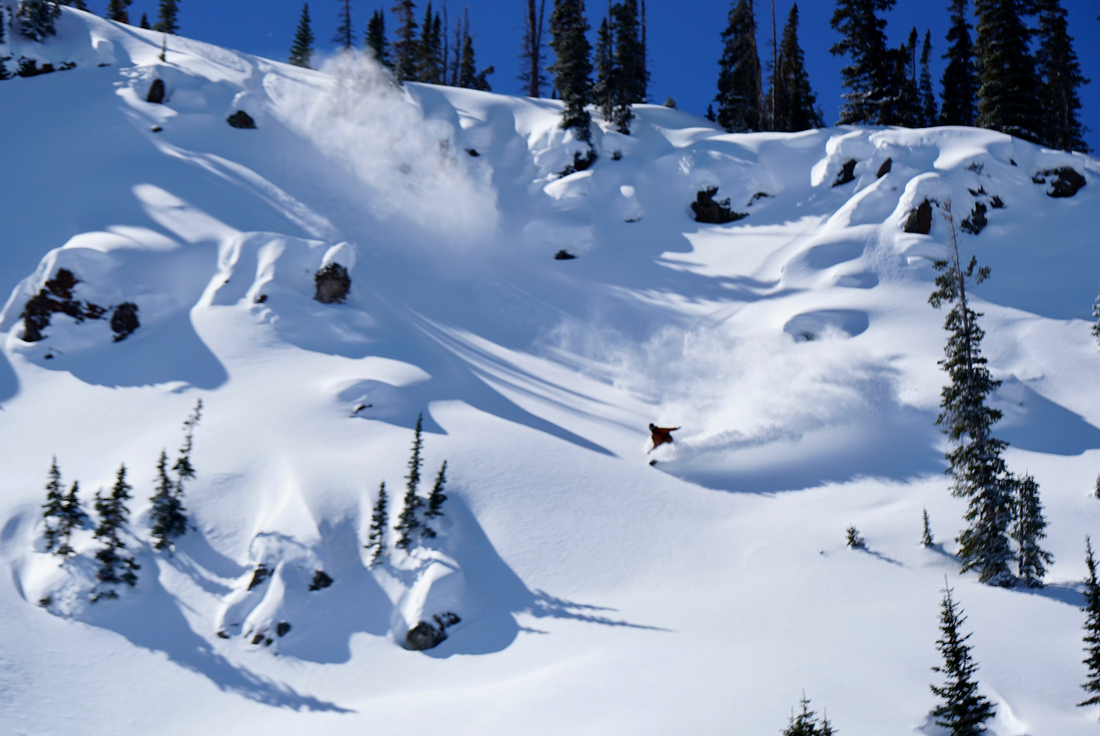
(169, 520)
(78, 4)
(962, 709)
(117, 10)
(408, 523)
(345, 37)
(854, 540)
(1096, 333)
(376, 540)
(52, 509)
(1008, 95)
(184, 469)
(871, 78)
(976, 466)
(405, 47)
(429, 53)
(906, 108)
(926, 536)
(1092, 630)
(1028, 527)
(376, 39)
(630, 75)
(924, 89)
(468, 76)
(72, 517)
(168, 17)
(603, 91)
(960, 77)
(572, 67)
(805, 723)
(115, 564)
(794, 104)
(533, 57)
(302, 50)
(1061, 75)
(144, 22)
(740, 101)
(709, 115)
(36, 19)
(435, 501)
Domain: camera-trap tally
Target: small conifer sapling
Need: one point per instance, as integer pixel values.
(169, 520)
(376, 540)
(926, 538)
(855, 541)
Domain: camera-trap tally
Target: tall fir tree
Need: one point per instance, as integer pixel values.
(976, 465)
(871, 77)
(960, 77)
(435, 501)
(468, 76)
(962, 709)
(603, 91)
(405, 47)
(1028, 528)
(1061, 75)
(533, 56)
(302, 51)
(118, 10)
(927, 94)
(429, 59)
(409, 520)
(36, 19)
(78, 4)
(907, 107)
(1008, 95)
(926, 539)
(345, 35)
(379, 520)
(116, 565)
(572, 67)
(794, 104)
(1092, 630)
(376, 39)
(740, 100)
(144, 23)
(54, 507)
(72, 518)
(631, 75)
(169, 520)
(168, 17)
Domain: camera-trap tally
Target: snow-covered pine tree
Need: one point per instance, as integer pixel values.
(926, 539)
(533, 57)
(572, 67)
(71, 517)
(115, 564)
(409, 520)
(302, 50)
(1096, 488)
(927, 95)
(1096, 333)
(36, 19)
(976, 466)
(870, 78)
(183, 467)
(376, 39)
(168, 17)
(344, 36)
(1061, 75)
(962, 709)
(1092, 630)
(117, 10)
(1028, 528)
(960, 76)
(435, 501)
(631, 77)
(1008, 95)
(740, 100)
(794, 104)
(853, 539)
(53, 508)
(168, 516)
(376, 539)
(405, 47)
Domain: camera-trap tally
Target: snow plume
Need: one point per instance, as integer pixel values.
(409, 162)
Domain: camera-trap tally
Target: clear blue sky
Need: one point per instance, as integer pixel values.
(684, 42)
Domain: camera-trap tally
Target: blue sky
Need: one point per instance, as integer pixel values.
(684, 44)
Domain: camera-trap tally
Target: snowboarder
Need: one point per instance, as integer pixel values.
(660, 435)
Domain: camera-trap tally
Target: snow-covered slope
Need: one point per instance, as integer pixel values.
(597, 594)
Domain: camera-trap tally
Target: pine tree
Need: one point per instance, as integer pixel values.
(36, 19)
(794, 104)
(1028, 528)
(435, 501)
(405, 47)
(926, 536)
(533, 57)
(709, 115)
(430, 51)
(631, 76)
(927, 95)
(376, 39)
(71, 517)
(853, 539)
(976, 466)
(1061, 75)
(53, 509)
(169, 520)
(740, 101)
(168, 17)
(302, 50)
(78, 4)
(572, 67)
(409, 521)
(1096, 333)
(962, 709)
(376, 540)
(907, 110)
(117, 10)
(184, 469)
(1008, 98)
(805, 723)
(144, 24)
(115, 564)
(960, 77)
(1096, 488)
(345, 35)
(871, 78)
(603, 91)
(1092, 630)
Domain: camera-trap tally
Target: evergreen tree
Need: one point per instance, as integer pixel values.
(302, 50)
(572, 66)
(794, 104)
(115, 564)
(435, 500)
(184, 469)
(805, 723)
(168, 17)
(78, 4)
(72, 517)
(976, 464)
(169, 520)
(631, 76)
(962, 709)
(533, 57)
(409, 521)
(926, 537)
(377, 41)
(853, 539)
(117, 10)
(740, 101)
(344, 36)
(960, 77)
(603, 92)
(1008, 96)
(927, 95)
(376, 540)
(907, 107)
(430, 51)
(1096, 333)
(1028, 527)
(871, 78)
(144, 24)
(53, 509)
(405, 47)
(709, 115)
(1061, 75)
(1096, 488)
(1092, 630)
(36, 19)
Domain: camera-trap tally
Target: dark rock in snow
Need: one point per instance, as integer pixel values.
(62, 284)
(282, 628)
(124, 320)
(156, 129)
(424, 636)
(259, 575)
(1064, 181)
(996, 202)
(885, 168)
(30, 68)
(156, 92)
(847, 173)
(711, 212)
(257, 638)
(261, 298)
(976, 222)
(223, 635)
(580, 163)
(563, 255)
(56, 296)
(242, 120)
(321, 580)
(920, 219)
(333, 284)
(473, 153)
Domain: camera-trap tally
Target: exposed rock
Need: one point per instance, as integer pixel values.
(259, 575)
(997, 203)
(757, 196)
(920, 219)
(321, 580)
(56, 296)
(885, 168)
(473, 152)
(124, 320)
(1064, 181)
(424, 636)
(580, 163)
(847, 173)
(333, 284)
(711, 212)
(257, 638)
(242, 120)
(156, 129)
(976, 222)
(563, 255)
(261, 298)
(282, 628)
(616, 155)
(223, 635)
(156, 92)
(446, 620)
